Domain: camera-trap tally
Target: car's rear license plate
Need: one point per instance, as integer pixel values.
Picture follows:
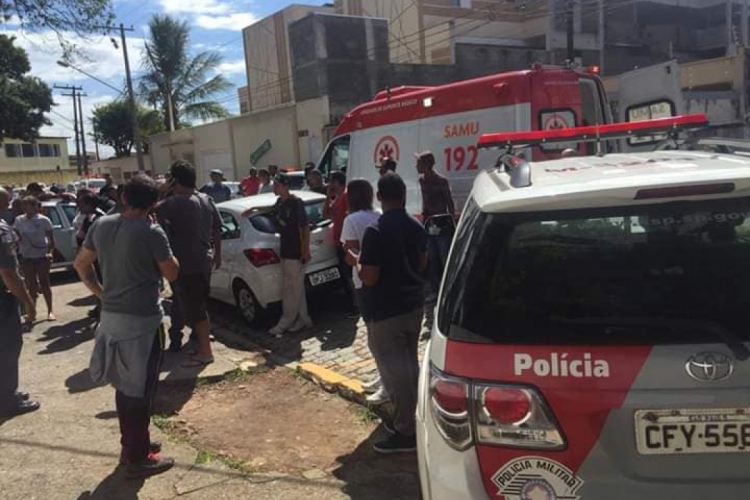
(665, 432)
(324, 276)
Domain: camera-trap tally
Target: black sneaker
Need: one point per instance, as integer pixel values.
(152, 466)
(388, 426)
(398, 443)
(20, 407)
(153, 449)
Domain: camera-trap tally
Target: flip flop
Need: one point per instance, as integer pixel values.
(197, 363)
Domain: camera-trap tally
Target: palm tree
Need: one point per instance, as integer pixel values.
(176, 82)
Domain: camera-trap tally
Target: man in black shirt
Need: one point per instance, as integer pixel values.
(391, 265)
(292, 224)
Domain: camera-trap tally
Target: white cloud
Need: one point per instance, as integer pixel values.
(103, 60)
(232, 67)
(235, 21)
(195, 6)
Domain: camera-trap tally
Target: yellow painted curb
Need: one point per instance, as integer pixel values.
(330, 377)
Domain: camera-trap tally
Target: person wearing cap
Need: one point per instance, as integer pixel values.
(385, 165)
(217, 190)
(438, 214)
(293, 226)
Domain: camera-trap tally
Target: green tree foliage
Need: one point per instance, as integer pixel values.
(61, 16)
(173, 78)
(23, 99)
(113, 126)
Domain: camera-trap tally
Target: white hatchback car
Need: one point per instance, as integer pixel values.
(591, 335)
(250, 274)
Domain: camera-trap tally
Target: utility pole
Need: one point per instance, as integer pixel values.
(74, 94)
(571, 30)
(96, 141)
(83, 138)
(131, 95)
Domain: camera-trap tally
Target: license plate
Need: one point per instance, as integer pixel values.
(325, 276)
(680, 432)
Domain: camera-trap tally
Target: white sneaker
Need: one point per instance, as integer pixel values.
(276, 331)
(379, 397)
(372, 386)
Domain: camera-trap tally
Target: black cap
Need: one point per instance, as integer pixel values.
(282, 178)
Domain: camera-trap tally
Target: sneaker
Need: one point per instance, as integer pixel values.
(152, 466)
(276, 331)
(20, 407)
(380, 397)
(372, 386)
(154, 448)
(388, 426)
(398, 443)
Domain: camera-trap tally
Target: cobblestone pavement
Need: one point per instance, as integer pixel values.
(337, 344)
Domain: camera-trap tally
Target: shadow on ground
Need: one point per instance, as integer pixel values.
(67, 336)
(370, 476)
(328, 308)
(115, 487)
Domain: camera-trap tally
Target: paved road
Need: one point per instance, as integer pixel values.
(69, 449)
(337, 343)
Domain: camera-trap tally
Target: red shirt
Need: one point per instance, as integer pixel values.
(339, 209)
(250, 186)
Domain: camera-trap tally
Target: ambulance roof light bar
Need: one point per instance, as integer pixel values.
(594, 133)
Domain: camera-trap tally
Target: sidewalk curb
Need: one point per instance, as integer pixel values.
(325, 377)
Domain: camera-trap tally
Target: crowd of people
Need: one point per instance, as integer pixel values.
(135, 238)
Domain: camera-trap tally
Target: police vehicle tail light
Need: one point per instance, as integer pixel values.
(514, 416)
(449, 398)
(260, 257)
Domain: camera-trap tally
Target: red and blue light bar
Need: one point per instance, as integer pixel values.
(594, 133)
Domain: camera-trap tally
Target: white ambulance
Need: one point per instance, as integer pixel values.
(448, 120)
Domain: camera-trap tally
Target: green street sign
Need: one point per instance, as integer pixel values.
(262, 150)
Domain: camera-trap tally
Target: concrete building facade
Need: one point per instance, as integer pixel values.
(44, 160)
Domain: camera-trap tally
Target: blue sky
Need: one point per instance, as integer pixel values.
(215, 25)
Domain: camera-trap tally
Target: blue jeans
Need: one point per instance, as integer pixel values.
(437, 256)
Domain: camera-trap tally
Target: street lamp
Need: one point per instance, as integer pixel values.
(66, 64)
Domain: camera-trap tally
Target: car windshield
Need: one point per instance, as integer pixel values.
(96, 183)
(672, 273)
(264, 219)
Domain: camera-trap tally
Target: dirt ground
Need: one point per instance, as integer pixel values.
(275, 421)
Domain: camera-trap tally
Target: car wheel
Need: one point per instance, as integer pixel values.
(246, 302)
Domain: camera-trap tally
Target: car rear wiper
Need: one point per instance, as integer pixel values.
(731, 340)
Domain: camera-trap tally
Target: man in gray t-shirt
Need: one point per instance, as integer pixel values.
(193, 225)
(134, 255)
(130, 250)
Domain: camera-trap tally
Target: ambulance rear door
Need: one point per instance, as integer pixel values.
(646, 94)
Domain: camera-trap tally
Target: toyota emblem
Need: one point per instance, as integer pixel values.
(709, 367)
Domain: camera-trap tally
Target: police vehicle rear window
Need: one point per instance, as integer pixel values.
(668, 273)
